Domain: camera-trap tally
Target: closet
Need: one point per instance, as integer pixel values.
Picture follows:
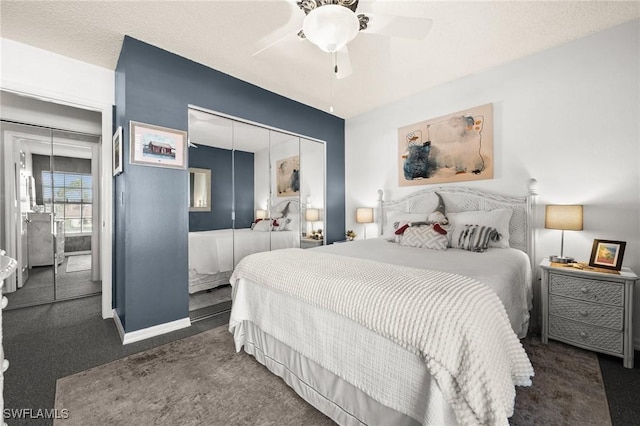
(252, 188)
(49, 178)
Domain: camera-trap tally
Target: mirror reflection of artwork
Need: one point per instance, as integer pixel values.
(288, 176)
(453, 148)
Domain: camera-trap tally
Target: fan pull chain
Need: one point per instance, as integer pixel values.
(331, 78)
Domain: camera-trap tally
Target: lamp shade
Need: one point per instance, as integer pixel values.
(312, 215)
(261, 214)
(567, 218)
(364, 215)
(330, 27)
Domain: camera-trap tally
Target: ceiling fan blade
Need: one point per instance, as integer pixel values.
(398, 26)
(291, 27)
(277, 41)
(343, 63)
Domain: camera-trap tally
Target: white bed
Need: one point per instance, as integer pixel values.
(214, 254)
(353, 374)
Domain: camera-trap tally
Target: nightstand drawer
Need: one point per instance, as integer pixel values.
(590, 313)
(310, 243)
(591, 290)
(588, 335)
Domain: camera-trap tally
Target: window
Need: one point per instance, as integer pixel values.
(70, 197)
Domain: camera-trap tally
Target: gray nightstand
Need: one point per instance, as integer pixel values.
(592, 310)
(306, 243)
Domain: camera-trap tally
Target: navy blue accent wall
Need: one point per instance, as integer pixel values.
(220, 162)
(152, 223)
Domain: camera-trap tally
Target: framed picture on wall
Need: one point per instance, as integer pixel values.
(288, 176)
(452, 148)
(157, 146)
(117, 151)
(607, 254)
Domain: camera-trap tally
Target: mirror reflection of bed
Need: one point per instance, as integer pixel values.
(254, 179)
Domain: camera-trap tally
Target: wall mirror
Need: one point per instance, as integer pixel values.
(199, 190)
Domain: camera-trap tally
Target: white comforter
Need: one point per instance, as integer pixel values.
(212, 252)
(457, 325)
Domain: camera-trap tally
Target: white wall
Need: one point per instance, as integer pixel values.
(38, 73)
(568, 116)
(24, 109)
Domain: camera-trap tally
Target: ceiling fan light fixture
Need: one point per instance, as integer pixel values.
(331, 27)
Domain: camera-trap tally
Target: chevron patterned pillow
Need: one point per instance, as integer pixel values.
(424, 236)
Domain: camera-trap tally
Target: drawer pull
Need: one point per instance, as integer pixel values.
(584, 313)
(584, 290)
(583, 334)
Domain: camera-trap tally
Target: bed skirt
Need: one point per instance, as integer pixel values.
(336, 398)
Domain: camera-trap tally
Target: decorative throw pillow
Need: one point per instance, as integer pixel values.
(498, 219)
(293, 222)
(263, 225)
(472, 237)
(281, 223)
(424, 236)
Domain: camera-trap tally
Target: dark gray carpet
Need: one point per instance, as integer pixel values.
(45, 343)
(39, 287)
(623, 389)
(214, 296)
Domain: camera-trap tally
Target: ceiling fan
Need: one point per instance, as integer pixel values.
(332, 24)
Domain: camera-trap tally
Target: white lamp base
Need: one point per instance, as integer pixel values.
(562, 259)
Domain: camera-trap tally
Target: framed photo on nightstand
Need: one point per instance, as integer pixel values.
(607, 254)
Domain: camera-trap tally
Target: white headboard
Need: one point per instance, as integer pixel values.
(459, 199)
(277, 205)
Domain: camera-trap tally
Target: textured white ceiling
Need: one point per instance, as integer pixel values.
(466, 38)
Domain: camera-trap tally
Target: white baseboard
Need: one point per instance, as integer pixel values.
(146, 333)
(119, 326)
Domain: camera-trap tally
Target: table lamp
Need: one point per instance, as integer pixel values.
(565, 218)
(261, 214)
(312, 215)
(364, 215)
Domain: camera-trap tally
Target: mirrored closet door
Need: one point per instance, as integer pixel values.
(48, 210)
(260, 197)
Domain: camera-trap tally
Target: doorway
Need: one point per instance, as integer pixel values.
(50, 177)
